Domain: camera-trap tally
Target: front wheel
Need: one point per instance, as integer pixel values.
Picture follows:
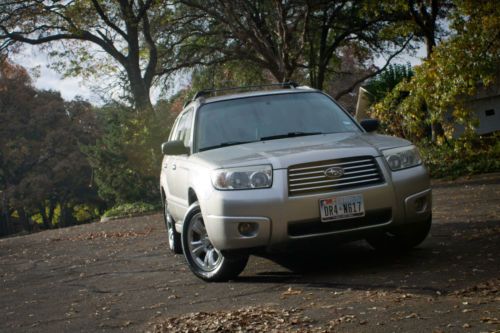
(204, 260)
(403, 238)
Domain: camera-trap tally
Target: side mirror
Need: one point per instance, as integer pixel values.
(370, 125)
(174, 148)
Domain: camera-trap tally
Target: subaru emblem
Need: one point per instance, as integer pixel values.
(334, 172)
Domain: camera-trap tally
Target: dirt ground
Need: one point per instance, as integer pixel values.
(119, 276)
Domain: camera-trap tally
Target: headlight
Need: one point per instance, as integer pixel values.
(259, 176)
(402, 158)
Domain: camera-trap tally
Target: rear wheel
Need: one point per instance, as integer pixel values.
(174, 238)
(204, 260)
(403, 238)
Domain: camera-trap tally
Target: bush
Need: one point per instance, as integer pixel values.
(126, 158)
(444, 161)
(130, 209)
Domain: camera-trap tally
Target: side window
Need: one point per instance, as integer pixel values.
(179, 131)
(173, 131)
(188, 127)
(183, 129)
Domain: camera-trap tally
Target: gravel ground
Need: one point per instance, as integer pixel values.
(119, 276)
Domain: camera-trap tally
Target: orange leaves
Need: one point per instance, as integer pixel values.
(108, 235)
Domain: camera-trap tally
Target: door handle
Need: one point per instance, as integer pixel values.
(174, 166)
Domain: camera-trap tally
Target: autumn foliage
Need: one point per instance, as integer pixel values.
(42, 170)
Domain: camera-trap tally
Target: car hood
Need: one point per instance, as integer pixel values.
(282, 153)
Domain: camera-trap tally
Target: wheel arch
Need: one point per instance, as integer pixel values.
(192, 197)
(163, 195)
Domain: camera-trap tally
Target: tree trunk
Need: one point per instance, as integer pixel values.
(70, 219)
(47, 218)
(140, 92)
(142, 100)
(4, 219)
(323, 57)
(43, 213)
(61, 223)
(23, 217)
(278, 74)
(3, 225)
(437, 131)
(66, 218)
(430, 43)
(320, 78)
(50, 217)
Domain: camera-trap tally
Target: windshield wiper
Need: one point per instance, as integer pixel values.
(272, 137)
(225, 144)
(288, 135)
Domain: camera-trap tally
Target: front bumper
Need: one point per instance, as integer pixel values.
(404, 197)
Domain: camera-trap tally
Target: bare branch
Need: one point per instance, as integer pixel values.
(106, 19)
(378, 71)
(144, 9)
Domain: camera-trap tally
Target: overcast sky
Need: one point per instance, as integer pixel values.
(36, 61)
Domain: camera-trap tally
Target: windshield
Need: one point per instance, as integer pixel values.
(269, 117)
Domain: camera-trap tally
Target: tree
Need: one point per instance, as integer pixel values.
(15, 159)
(296, 39)
(126, 157)
(231, 73)
(426, 16)
(269, 34)
(437, 93)
(337, 26)
(383, 83)
(41, 165)
(127, 31)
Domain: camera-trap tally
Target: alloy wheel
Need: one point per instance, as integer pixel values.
(204, 255)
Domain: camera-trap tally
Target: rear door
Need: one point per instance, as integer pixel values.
(177, 174)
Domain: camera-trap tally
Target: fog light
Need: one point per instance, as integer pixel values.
(420, 204)
(248, 229)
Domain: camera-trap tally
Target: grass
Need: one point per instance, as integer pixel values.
(131, 209)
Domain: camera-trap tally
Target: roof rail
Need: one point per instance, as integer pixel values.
(205, 92)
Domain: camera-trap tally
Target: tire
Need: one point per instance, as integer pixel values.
(205, 261)
(401, 239)
(174, 238)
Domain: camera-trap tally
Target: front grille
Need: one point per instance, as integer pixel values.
(310, 178)
(372, 218)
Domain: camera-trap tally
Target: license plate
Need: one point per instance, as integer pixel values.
(339, 208)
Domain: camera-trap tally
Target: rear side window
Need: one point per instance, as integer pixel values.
(182, 131)
(188, 125)
(173, 132)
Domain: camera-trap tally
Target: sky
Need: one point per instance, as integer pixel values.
(36, 61)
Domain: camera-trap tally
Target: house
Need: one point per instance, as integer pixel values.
(486, 107)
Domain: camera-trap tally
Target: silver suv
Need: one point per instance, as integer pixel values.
(266, 170)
